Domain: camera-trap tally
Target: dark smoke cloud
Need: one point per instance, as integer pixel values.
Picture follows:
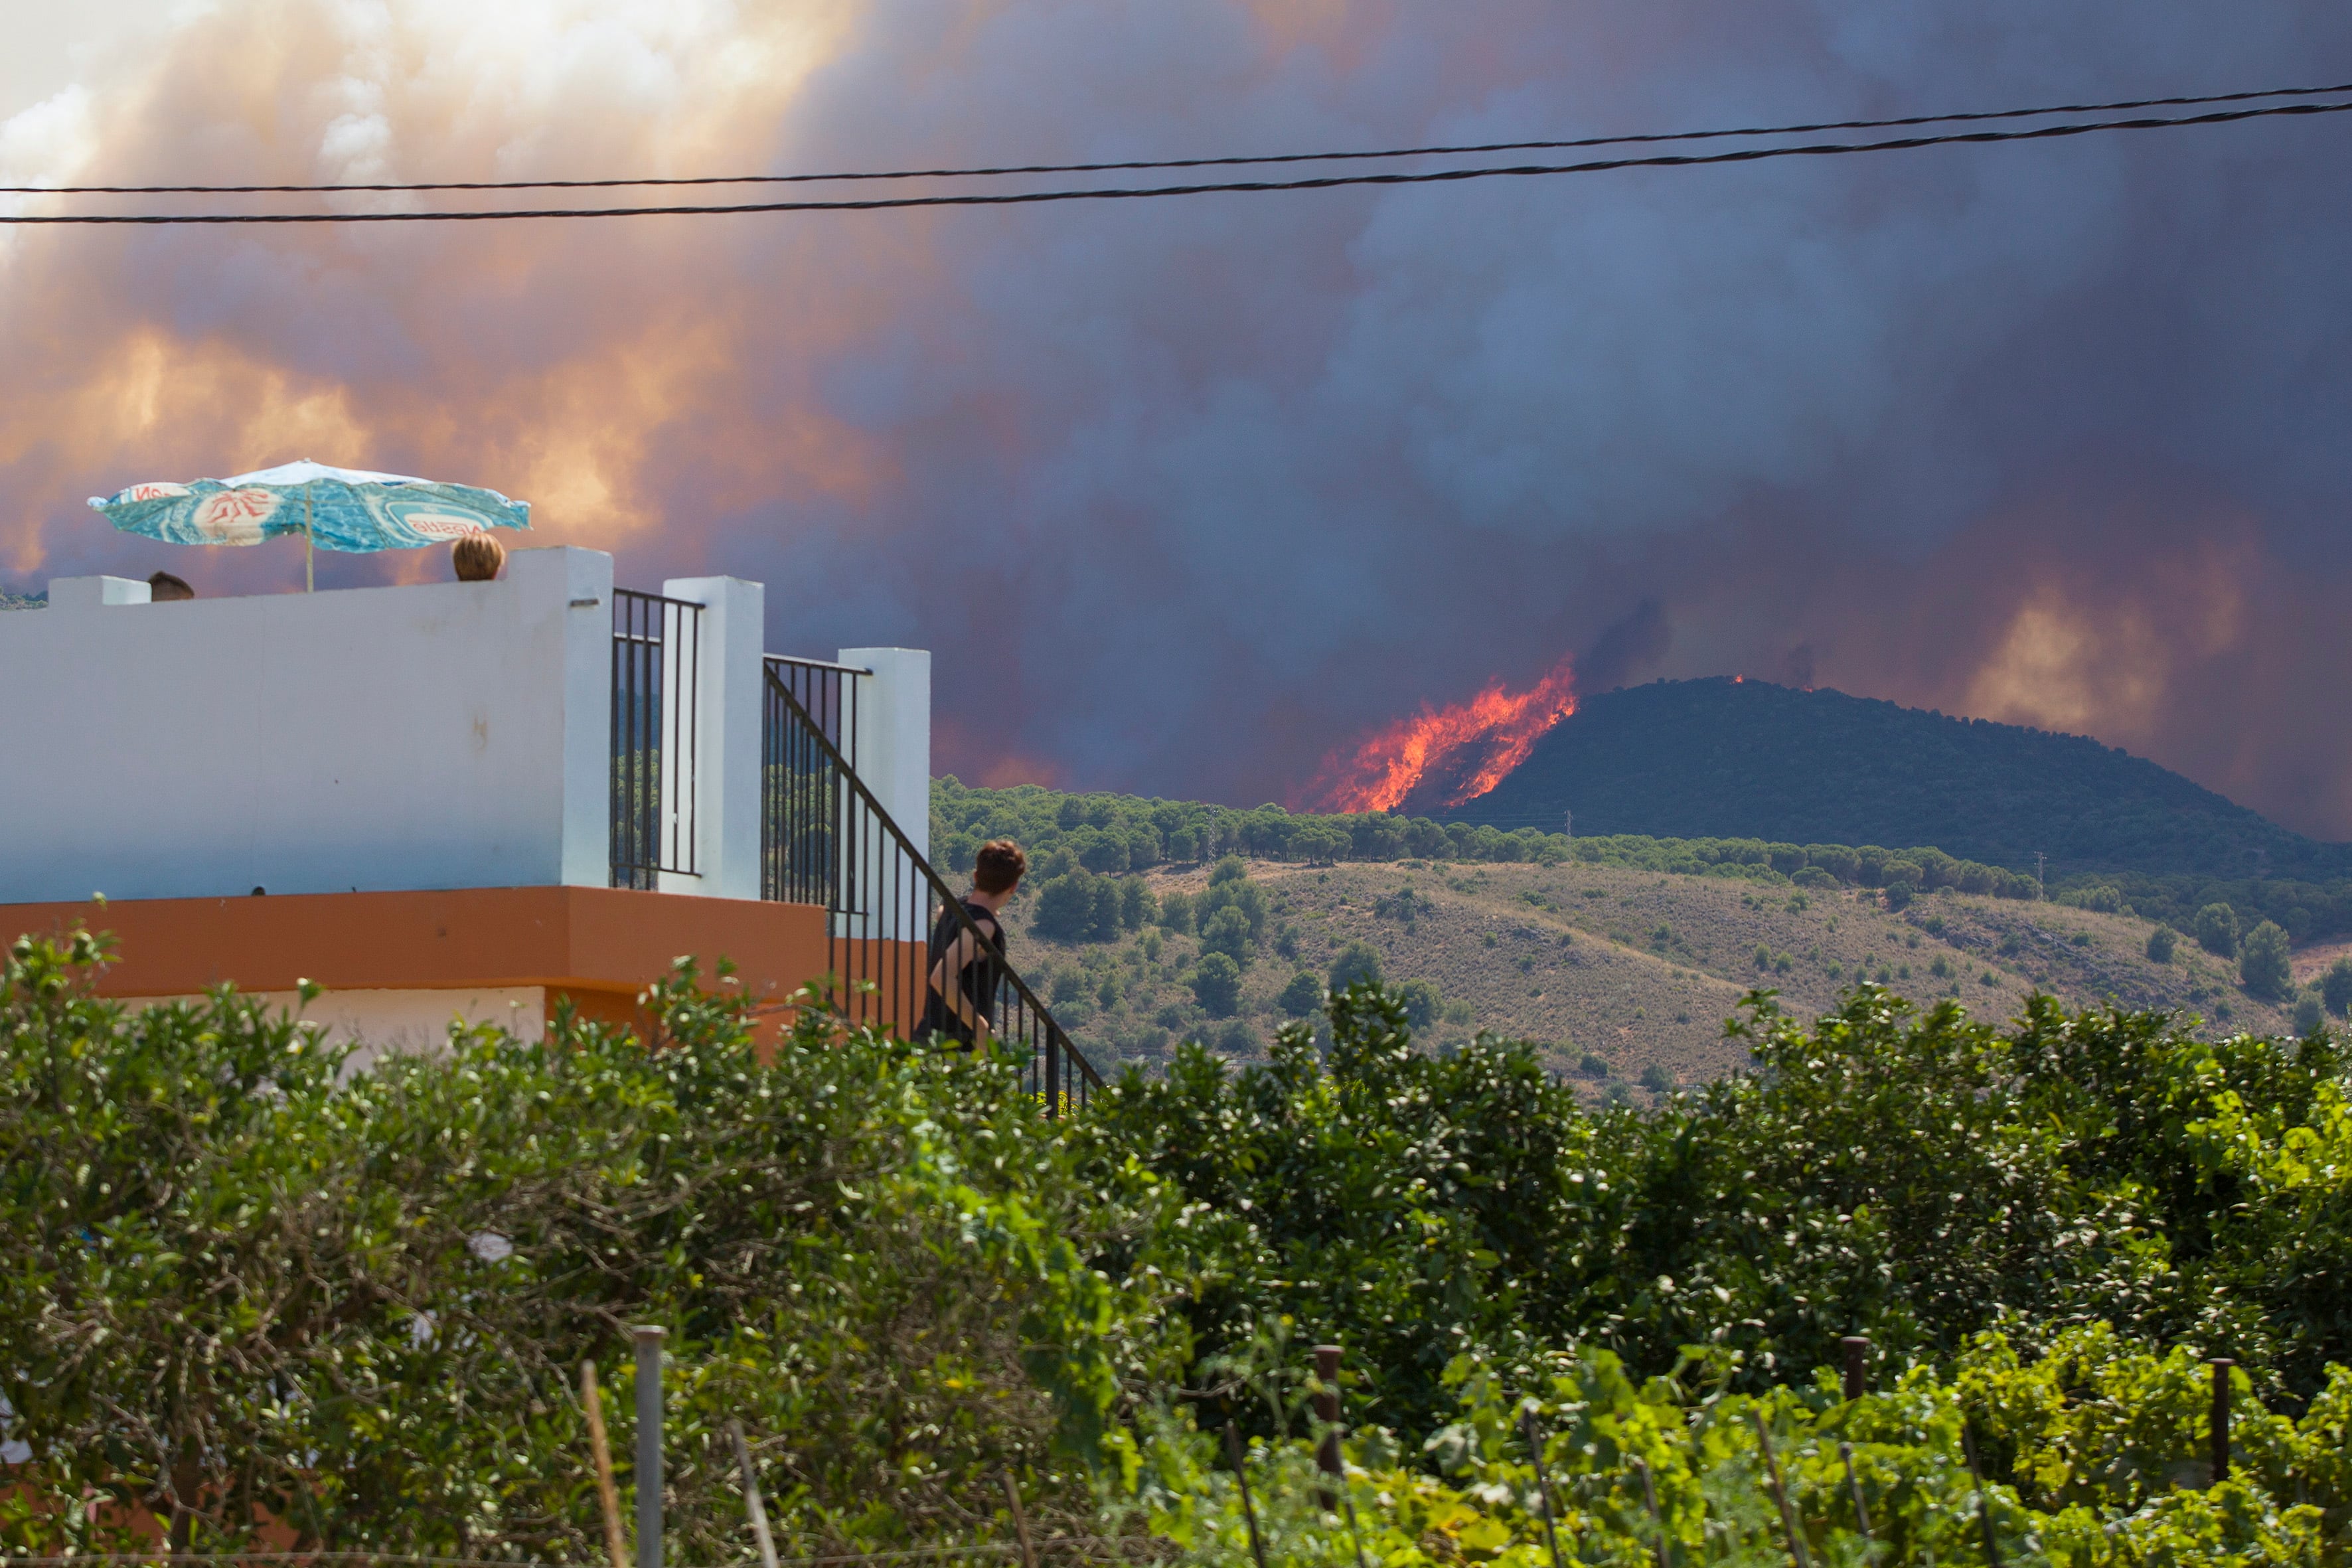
(1626, 648)
(1185, 495)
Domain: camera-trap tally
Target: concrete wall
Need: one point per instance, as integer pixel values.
(400, 1023)
(892, 749)
(451, 735)
(726, 737)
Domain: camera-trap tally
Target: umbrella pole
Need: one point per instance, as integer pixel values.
(309, 584)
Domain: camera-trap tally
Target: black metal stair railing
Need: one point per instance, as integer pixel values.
(656, 664)
(825, 840)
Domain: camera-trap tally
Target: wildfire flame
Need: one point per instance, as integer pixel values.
(1487, 737)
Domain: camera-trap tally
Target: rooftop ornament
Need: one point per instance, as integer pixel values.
(331, 509)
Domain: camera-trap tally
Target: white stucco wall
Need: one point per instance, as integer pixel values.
(892, 749)
(448, 735)
(400, 1022)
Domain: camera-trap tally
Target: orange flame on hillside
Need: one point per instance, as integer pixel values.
(1503, 727)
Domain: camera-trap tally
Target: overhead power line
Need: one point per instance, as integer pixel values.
(1130, 192)
(1137, 165)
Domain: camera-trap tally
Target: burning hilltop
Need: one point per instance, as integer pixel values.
(1453, 754)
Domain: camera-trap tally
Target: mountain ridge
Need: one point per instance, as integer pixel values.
(1723, 757)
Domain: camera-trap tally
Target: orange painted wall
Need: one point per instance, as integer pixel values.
(600, 944)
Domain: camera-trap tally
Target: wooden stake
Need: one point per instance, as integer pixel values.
(1780, 1492)
(752, 1504)
(2219, 1422)
(1650, 1500)
(1984, 1506)
(1854, 1485)
(1241, 1474)
(616, 1545)
(1543, 1482)
(1021, 1522)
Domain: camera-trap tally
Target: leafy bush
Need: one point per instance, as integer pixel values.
(2217, 930)
(2335, 986)
(2160, 943)
(1302, 997)
(2094, 1453)
(242, 1278)
(1231, 889)
(1359, 963)
(1079, 906)
(1228, 932)
(2263, 964)
(2310, 1014)
(1216, 983)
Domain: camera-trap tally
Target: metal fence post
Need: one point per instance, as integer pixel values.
(649, 1446)
(1857, 1361)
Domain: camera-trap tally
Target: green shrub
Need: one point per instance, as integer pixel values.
(2310, 1014)
(1421, 1004)
(1216, 985)
(1359, 963)
(1228, 932)
(2217, 930)
(2335, 986)
(1302, 997)
(2160, 943)
(2263, 966)
(358, 1299)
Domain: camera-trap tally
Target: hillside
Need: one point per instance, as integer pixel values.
(1636, 969)
(1752, 760)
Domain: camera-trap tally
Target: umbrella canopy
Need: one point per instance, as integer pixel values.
(339, 509)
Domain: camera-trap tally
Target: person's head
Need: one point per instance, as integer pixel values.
(996, 870)
(162, 587)
(477, 557)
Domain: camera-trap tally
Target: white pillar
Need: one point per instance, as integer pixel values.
(91, 593)
(892, 749)
(891, 753)
(573, 588)
(727, 736)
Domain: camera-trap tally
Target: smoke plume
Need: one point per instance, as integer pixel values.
(1188, 496)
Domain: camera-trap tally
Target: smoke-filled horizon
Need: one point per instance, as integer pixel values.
(1192, 497)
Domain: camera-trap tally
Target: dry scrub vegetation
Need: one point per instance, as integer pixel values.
(1636, 968)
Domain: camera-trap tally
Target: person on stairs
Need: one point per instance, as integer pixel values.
(965, 975)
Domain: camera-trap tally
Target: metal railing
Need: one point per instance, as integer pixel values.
(657, 672)
(799, 786)
(825, 840)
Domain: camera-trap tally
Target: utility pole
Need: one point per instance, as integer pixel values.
(2041, 892)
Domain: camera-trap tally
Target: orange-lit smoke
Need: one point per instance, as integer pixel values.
(1483, 739)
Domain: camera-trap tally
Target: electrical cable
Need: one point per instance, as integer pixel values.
(1119, 192)
(1141, 164)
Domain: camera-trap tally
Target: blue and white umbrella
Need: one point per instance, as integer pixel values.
(334, 509)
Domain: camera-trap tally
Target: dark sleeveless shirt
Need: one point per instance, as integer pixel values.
(979, 980)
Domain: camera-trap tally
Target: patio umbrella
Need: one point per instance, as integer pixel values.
(334, 509)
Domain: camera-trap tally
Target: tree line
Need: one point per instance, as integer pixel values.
(251, 1280)
(1113, 835)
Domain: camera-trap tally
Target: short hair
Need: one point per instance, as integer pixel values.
(477, 557)
(163, 588)
(998, 866)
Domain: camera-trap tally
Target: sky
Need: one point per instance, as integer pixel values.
(1189, 496)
